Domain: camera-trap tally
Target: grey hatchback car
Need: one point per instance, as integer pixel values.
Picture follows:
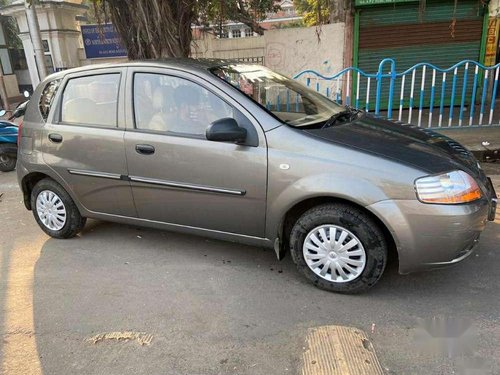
(241, 153)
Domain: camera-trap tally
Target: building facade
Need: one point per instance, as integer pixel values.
(59, 30)
(286, 15)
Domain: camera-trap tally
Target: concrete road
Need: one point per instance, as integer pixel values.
(216, 308)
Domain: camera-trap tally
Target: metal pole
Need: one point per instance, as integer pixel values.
(36, 39)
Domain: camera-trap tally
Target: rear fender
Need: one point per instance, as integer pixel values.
(26, 185)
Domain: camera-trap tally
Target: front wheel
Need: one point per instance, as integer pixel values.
(339, 248)
(7, 161)
(54, 210)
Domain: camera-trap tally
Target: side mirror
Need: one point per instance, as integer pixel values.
(2, 112)
(226, 130)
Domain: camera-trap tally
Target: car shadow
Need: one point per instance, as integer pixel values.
(211, 305)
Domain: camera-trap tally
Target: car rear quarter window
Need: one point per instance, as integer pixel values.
(47, 97)
(91, 100)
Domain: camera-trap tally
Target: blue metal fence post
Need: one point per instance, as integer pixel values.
(483, 97)
(453, 91)
(493, 96)
(391, 88)
(380, 75)
(379, 87)
(464, 92)
(473, 99)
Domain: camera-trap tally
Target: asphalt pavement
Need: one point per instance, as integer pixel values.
(125, 300)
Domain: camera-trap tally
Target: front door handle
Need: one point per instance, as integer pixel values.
(56, 138)
(145, 149)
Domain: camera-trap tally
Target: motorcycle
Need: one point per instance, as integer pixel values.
(9, 132)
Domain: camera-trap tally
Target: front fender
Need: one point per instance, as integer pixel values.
(335, 185)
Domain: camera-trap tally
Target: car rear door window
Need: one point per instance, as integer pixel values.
(171, 104)
(91, 100)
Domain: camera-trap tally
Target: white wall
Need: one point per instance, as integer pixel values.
(286, 50)
(290, 51)
(209, 47)
(494, 8)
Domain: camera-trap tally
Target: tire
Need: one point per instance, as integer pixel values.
(66, 225)
(7, 162)
(353, 268)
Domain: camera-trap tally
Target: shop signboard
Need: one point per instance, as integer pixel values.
(102, 41)
(491, 41)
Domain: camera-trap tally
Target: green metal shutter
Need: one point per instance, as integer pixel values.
(403, 33)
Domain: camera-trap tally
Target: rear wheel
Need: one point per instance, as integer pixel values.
(339, 248)
(54, 210)
(7, 161)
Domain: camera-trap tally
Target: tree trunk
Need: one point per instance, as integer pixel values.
(338, 10)
(152, 29)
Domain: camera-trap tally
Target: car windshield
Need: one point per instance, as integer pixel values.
(288, 100)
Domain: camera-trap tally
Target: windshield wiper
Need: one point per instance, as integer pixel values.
(349, 113)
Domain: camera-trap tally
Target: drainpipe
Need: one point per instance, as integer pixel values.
(36, 39)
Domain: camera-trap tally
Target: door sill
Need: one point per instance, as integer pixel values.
(203, 232)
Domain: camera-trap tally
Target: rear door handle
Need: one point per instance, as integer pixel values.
(56, 138)
(145, 149)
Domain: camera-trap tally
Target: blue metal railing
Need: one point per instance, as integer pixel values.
(472, 85)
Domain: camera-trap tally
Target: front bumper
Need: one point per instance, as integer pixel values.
(431, 236)
(494, 200)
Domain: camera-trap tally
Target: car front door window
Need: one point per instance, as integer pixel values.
(172, 104)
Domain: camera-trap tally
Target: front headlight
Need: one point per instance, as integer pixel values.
(449, 188)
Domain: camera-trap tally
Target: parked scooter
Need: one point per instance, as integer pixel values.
(9, 132)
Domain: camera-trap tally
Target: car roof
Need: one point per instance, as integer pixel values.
(201, 65)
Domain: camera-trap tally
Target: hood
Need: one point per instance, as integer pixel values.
(421, 148)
